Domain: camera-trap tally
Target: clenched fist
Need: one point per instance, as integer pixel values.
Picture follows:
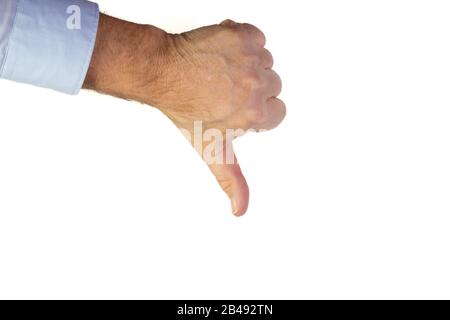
(214, 83)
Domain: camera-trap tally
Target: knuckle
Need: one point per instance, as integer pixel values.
(274, 81)
(228, 23)
(267, 57)
(256, 33)
(282, 107)
(282, 110)
(278, 83)
(230, 33)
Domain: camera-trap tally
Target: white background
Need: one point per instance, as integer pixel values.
(103, 198)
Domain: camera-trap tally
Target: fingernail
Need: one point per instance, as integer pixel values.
(234, 206)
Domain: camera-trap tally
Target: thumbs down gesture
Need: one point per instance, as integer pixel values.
(215, 83)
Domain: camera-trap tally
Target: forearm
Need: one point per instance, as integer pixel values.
(126, 58)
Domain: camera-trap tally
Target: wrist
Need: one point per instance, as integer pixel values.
(127, 58)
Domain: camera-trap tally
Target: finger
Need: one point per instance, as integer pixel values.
(228, 23)
(266, 59)
(256, 34)
(233, 183)
(275, 111)
(273, 84)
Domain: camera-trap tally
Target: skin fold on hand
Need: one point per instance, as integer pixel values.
(220, 76)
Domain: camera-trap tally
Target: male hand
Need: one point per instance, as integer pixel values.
(218, 77)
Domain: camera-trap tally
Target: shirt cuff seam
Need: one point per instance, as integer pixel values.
(89, 53)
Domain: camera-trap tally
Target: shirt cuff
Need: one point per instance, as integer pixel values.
(51, 43)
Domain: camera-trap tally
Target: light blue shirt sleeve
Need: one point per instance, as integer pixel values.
(47, 43)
